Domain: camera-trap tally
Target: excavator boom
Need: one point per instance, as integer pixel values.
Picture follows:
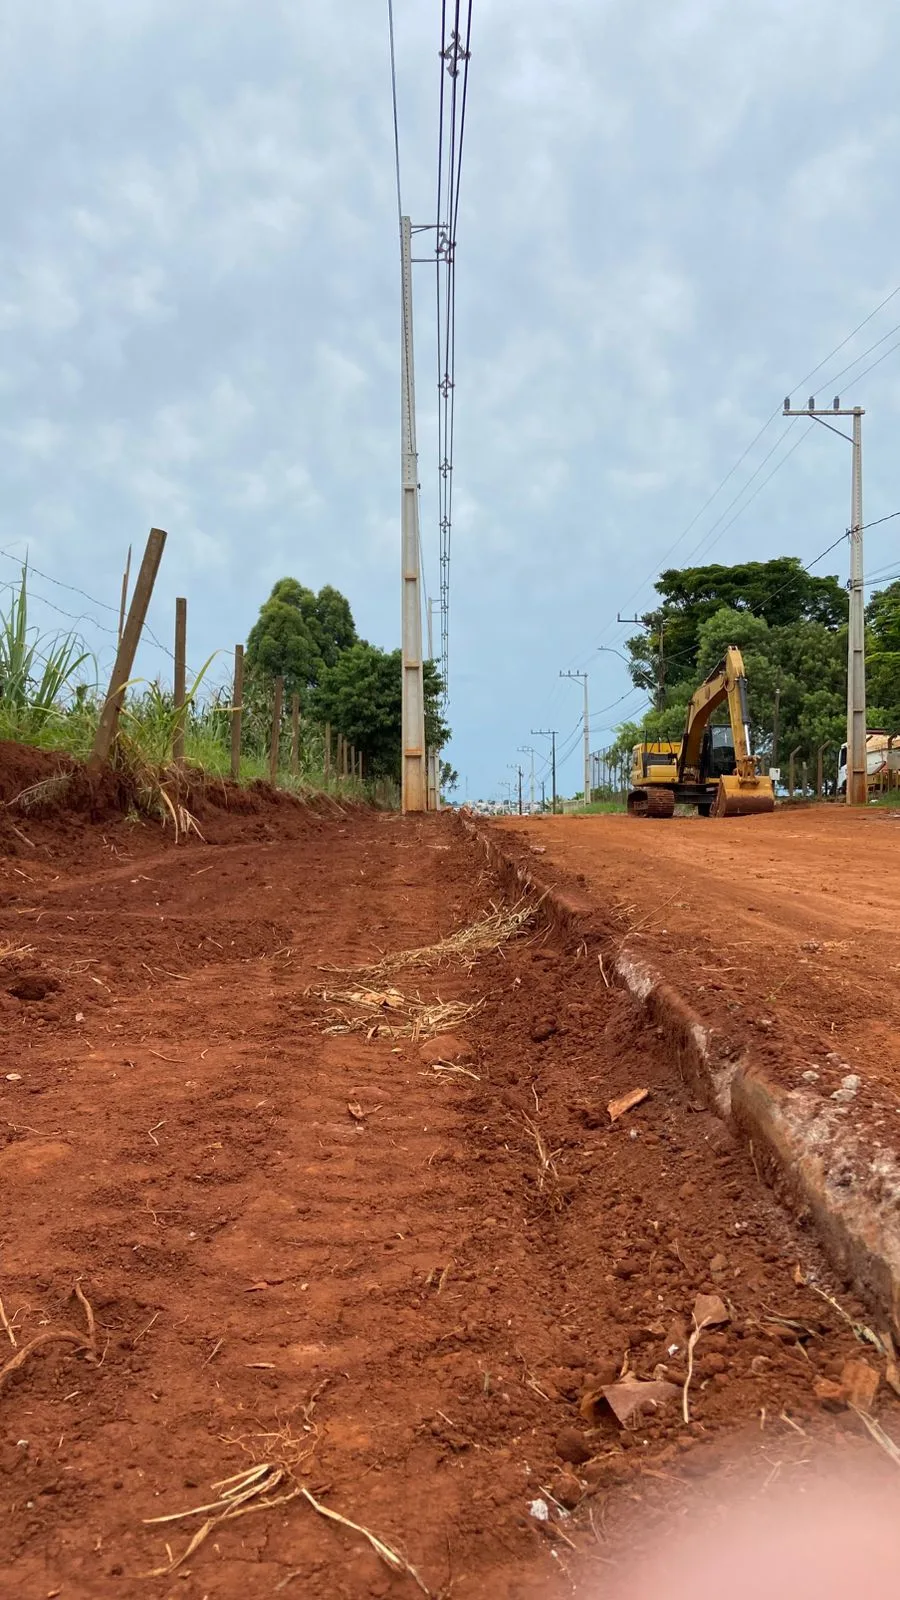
(742, 792)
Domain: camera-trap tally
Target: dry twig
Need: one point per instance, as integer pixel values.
(547, 1159)
(7, 1327)
(50, 1336)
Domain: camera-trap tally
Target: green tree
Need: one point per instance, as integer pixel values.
(883, 655)
(449, 777)
(779, 592)
(297, 635)
(360, 695)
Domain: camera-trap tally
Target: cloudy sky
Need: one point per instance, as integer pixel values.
(669, 215)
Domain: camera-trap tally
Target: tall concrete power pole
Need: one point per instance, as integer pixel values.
(549, 733)
(526, 750)
(857, 770)
(587, 735)
(414, 788)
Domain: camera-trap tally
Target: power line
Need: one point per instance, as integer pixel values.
(455, 53)
(758, 490)
(394, 105)
(801, 382)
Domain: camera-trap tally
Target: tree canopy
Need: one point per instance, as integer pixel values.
(299, 634)
(361, 695)
(883, 654)
(791, 628)
(780, 592)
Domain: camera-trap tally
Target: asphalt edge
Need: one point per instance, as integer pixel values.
(801, 1143)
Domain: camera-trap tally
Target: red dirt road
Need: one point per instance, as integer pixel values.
(316, 1251)
(781, 930)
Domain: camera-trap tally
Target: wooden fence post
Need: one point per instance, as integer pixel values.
(124, 600)
(295, 734)
(131, 634)
(180, 677)
(276, 729)
(237, 709)
(326, 749)
(360, 766)
(351, 758)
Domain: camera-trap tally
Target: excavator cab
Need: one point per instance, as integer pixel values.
(717, 753)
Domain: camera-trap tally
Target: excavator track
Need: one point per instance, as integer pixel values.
(651, 802)
(660, 803)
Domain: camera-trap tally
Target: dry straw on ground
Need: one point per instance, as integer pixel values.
(489, 932)
(386, 1013)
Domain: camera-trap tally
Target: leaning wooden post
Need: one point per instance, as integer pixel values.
(131, 634)
(360, 766)
(276, 729)
(237, 711)
(351, 760)
(326, 752)
(295, 734)
(180, 677)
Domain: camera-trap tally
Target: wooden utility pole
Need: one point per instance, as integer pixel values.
(180, 677)
(237, 711)
(295, 734)
(276, 729)
(131, 634)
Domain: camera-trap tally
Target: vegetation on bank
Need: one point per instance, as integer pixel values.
(50, 697)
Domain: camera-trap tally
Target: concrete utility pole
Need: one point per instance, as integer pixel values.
(549, 733)
(857, 770)
(660, 657)
(587, 735)
(414, 792)
(526, 750)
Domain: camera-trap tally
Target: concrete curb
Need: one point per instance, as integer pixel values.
(846, 1188)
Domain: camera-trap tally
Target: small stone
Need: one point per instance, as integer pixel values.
(572, 1446)
(829, 1393)
(760, 1365)
(719, 1263)
(810, 1076)
(566, 1489)
(627, 1269)
(852, 1081)
(544, 1029)
(859, 1384)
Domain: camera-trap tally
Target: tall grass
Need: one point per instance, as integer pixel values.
(37, 671)
(49, 697)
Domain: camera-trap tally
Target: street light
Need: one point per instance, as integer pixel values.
(611, 650)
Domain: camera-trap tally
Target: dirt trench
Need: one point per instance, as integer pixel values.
(391, 1282)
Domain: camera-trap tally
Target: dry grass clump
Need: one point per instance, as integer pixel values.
(386, 1013)
(489, 932)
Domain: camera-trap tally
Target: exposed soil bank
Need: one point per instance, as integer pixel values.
(330, 1252)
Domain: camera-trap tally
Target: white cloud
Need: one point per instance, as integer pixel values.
(669, 213)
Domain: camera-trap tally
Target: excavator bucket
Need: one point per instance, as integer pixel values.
(743, 797)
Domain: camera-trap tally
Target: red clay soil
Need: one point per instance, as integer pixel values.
(781, 930)
(394, 1282)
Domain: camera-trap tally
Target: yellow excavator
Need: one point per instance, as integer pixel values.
(712, 767)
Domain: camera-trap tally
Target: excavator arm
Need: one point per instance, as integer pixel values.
(744, 791)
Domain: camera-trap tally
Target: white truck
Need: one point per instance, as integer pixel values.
(882, 762)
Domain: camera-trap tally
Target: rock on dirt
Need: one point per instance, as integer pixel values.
(572, 1446)
(543, 1029)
